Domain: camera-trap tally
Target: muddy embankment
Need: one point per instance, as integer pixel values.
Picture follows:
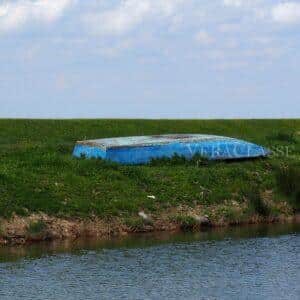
(41, 227)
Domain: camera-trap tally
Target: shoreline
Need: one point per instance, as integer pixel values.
(40, 227)
(46, 194)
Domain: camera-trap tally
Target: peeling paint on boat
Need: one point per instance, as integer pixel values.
(142, 149)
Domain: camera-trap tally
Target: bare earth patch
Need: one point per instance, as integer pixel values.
(39, 227)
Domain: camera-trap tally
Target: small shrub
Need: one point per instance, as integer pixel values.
(288, 182)
(2, 177)
(288, 179)
(64, 148)
(296, 201)
(233, 215)
(257, 202)
(186, 222)
(36, 228)
(283, 137)
(135, 224)
(2, 234)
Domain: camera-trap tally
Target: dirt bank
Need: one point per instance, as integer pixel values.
(39, 227)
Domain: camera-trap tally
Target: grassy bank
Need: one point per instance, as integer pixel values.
(39, 175)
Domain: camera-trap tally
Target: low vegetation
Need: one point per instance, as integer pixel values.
(288, 182)
(186, 223)
(39, 175)
(257, 203)
(37, 230)
(287, 137)
(36, 227)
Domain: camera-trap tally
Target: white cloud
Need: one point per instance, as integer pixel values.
(229, 27)
(128, 14)
(244, 3)
(287, 13)
(265, 53)
(14, 15)
(231, 43)
(231, 65)
(233, 2)
(115, 50)
(262, 40)
(204, 38)
(217, 54)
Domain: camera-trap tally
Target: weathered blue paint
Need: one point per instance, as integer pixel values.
(141, 149)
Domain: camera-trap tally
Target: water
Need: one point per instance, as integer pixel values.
(241, 263)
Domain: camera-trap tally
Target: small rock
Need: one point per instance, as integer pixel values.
(145, 217)
(3, 241)
(203, 220)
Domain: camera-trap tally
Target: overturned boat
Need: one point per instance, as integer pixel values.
(142, 149)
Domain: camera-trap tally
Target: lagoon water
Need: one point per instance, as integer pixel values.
(261, 262)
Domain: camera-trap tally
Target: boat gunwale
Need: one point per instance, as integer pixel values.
(170, 139)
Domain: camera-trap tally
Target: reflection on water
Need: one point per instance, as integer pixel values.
(37, 250)
(254, 262)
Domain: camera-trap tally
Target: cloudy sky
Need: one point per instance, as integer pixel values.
(150, 58)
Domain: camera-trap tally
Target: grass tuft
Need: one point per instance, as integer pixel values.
(2, 233)
(178, 160)
(137, 224)
(257, 203)
(288, 182)
(187, 223)
(36, 228)
(287, 137)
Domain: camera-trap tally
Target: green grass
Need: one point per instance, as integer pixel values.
(187, 223)
(38, 173)
(257, 203)
(136, 224)
(36, 228)
(288, 182)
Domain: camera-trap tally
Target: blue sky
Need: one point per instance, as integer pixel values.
(150, 58)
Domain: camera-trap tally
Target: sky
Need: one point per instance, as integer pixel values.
(149, 59)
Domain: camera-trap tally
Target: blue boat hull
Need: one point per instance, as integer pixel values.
(216, 149)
